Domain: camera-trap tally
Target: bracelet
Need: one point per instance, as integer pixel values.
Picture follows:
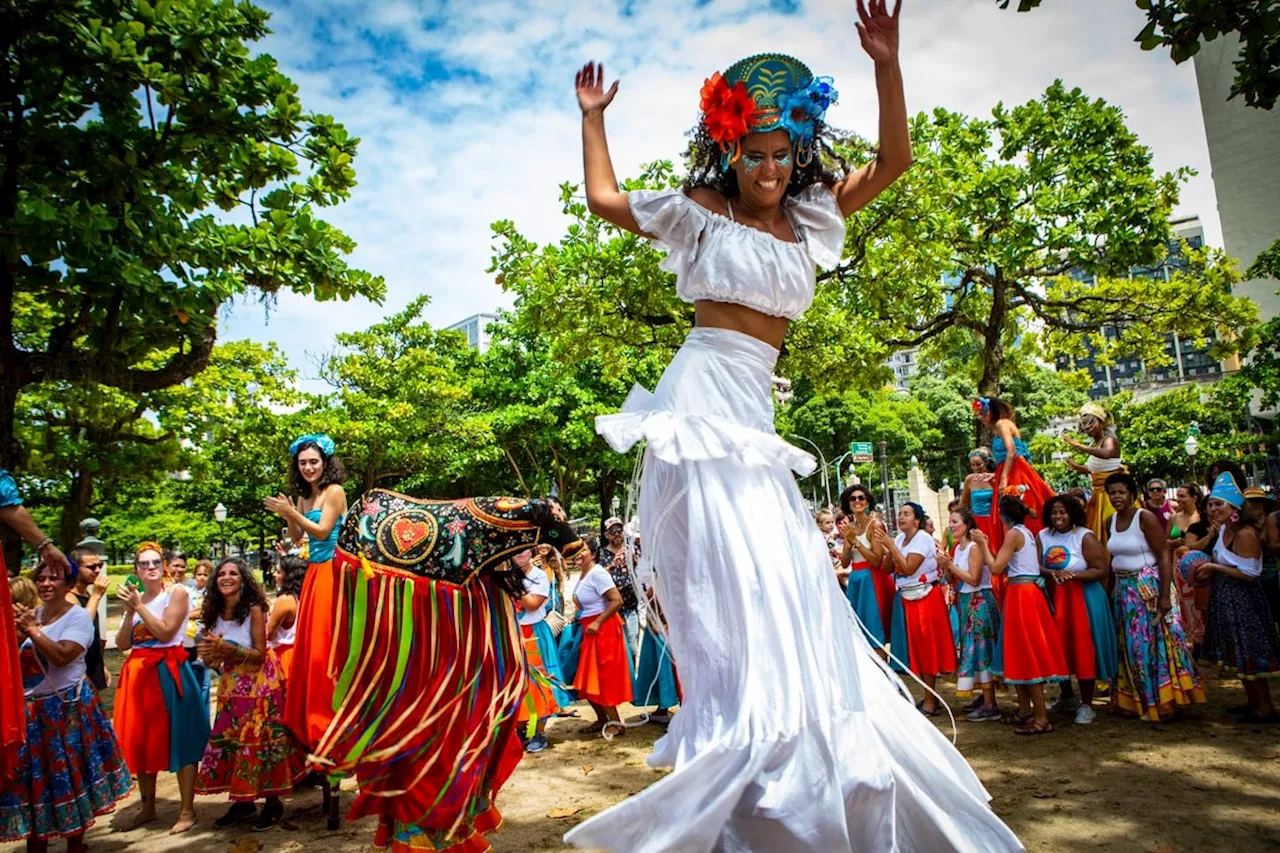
(43, 543)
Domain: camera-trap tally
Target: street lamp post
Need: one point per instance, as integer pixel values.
(884, 484)
(1192, 446)
(826, 484)
(220, 516)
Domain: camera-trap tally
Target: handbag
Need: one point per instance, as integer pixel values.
(556, 622)
(915, 591)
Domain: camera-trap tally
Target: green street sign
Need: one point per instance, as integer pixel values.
(861, 451)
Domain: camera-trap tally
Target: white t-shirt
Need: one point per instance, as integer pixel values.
(535, 583)
(74, 625)
(922, 543)
(1063, 552)
(590, 591)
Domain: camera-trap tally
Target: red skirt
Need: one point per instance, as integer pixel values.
(1026, 484)
(311, 675)
(604, 673)
(885, 590)
(1072, 621)
(994, 530)
(1030, 649)
(931, 646)
(539, 700)
(12, 706)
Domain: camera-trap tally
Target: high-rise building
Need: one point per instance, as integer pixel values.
(476, 328)
(1244, 154)
(903, 365)
(1187, 362)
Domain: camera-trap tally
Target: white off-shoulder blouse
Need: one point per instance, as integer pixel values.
(718, 259)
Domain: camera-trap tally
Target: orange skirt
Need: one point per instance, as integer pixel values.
(284, 662)
(1030, 648)
(539, 700)
(931, 648)
(13, 727)
(604, 672)
(159, 715)
(1026, 484)
(1071, 618)
(308, 703)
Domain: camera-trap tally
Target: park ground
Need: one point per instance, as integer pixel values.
(1199, 783)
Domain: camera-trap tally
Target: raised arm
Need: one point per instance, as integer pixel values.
(878, 32)
(604, 199)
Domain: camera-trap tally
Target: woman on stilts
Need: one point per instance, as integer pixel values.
(1014, 474)
(792, 734)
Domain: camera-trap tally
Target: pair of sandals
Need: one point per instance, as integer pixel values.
(1248, 715)
(1026, 725)
(602, 729)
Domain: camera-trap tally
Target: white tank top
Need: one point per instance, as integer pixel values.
(1063, 552)
(1129, 549)
(1023, 563)
(284, 636)
(1251, 566)
(1098, 465)
(961, 558)
(239, 633)
(156, 608)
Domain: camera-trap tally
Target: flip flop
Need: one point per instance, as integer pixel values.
(920, 707)
(593, 729)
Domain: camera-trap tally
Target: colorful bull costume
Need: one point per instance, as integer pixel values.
(425, 663)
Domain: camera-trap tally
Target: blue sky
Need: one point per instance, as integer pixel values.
(467, 113)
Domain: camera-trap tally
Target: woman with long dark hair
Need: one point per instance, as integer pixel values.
(1014, 474)
(251, 754)
(867, 593)
(1029, 652)
(979, 618)
(282, 621)
(314, 513)
(783, 694)
(1154, 672)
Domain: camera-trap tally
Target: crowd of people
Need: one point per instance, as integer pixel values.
(1129, 591)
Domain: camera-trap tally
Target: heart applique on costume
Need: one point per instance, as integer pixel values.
(408, 533)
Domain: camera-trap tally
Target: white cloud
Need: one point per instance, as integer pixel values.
(467, 114)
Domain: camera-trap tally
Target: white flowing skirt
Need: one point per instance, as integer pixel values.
(792, 735)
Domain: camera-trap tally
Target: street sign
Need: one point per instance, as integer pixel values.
(861, 451)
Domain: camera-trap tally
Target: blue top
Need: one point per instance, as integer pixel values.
(998, 451)
(8, 490)
(320, 550)
(980, 501)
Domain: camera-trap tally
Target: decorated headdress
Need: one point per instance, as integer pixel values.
(1227, 490)
(984, 454)
(320, 440)
(761, 93)
(981, 405)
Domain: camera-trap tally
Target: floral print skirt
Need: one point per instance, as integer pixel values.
(251, 753)
(1155, 673)
(979, 631)
(70, 770)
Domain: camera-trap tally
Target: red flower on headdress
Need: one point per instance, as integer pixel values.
(726, 110)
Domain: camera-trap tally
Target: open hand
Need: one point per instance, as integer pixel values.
(878, 30)
(27, 620)
(128, 596)
(590, 85)
(101, 581)
(1071, 442)
(280, 505)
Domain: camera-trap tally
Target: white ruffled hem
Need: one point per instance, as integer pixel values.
(676, 437)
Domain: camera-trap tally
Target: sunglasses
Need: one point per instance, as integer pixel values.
(860, 499)
(150, 564)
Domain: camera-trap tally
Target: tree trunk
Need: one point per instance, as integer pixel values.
(992, 350)
(76, 509)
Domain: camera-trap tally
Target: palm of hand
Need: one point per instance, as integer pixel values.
(589, 83)
(878, 30)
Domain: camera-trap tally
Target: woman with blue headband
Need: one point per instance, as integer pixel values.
(315, 478)
(793, 735)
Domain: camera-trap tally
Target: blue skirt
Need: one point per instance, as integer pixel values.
(655, 678)
(861, 593)
(1102, 628)
(550, 652)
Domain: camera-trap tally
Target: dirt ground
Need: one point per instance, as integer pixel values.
(1200, 783)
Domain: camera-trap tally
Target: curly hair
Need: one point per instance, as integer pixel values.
(1123, 478)
(295, 572)
(704, 159)
(331, 473)
(1073, 507)
(846, 498)
(251, 594)
(1013, 509)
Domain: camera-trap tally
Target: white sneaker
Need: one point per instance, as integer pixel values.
(1085, 715)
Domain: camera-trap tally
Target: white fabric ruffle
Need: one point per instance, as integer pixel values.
(718, 259)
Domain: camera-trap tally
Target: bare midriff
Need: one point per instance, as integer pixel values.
(739, 318)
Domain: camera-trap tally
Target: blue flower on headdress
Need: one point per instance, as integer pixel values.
(804, 108)
(322, 441)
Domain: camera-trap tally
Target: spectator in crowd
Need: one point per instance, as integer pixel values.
(22, 590)
(1240, 633)
(1029, 653)
(613, 556)
(178, 571)
(920, 632)
(158, 714)
(1154, 674)
(539, 703)
(593, 650)
(552, 564)
(1189, 529)
(827, 524)
(655, 682)
(1156, 501)
(868, 587)
(979, 618)
(90, 588)
(282, 622)
(1078, 564)
(70, 770)
(1271, 562)
(251, 754)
